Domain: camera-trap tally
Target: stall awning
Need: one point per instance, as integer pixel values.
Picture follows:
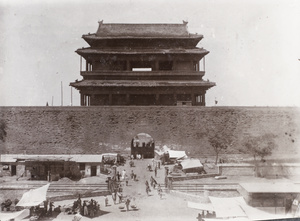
(201, 206)
(8, 216)
(191, 163)
(34, 197)
(227, 207)
(237, 207)
(177, 154)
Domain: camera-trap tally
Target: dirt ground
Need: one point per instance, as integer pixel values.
(151, 207)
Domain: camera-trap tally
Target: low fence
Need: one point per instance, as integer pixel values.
(200, 192)
(261, 170)
(198, 187)
(57, 187)
(56, 191)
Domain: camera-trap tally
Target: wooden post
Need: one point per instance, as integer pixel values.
(127, 98)
(81, 99)
(110, 99)
(175, 99)
(193, 99)
(80, 63)
(157, 99)
(127, 65)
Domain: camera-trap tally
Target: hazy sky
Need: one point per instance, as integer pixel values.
(254, 46)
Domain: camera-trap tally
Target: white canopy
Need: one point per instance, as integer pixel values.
(177, 154)
(191, 163)
(237, 207)
(34, 197)
(227, 207)
(234, 208)
(7, 216)
(229, 219)
(201, 206)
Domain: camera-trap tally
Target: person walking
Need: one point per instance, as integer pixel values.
(118, 176)
(85, 209)
(147, 188)
(92, 208)
(120, 196)
(132, 174)
(45, 207)
(51, 205)
(127, 203)
(114, 196)
(159, 191)
(106, 201)
(154, 183)
(151, 181)
(123, 174)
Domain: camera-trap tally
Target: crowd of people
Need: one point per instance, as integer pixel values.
(88, 208)
(119, 180)
(206, 214)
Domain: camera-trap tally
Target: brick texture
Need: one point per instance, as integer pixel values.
(70, 130)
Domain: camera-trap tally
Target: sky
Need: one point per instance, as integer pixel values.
(254, 46)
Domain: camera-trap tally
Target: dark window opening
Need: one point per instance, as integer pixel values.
(13, 170)
(141, 66)
(166, 65)
(93, 170)
(199, 99)
(82, 166)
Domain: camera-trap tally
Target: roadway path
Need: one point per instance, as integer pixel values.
(149, 207)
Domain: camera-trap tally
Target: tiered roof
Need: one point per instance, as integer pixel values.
(142, 31)
(141, 83)
(128, 51)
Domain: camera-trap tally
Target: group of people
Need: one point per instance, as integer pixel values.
(90, 208)
(116, 195)
(137, 156)
(46, 209)
(154, 185)
(206, 214)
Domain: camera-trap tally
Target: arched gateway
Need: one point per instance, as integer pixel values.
(142, 144)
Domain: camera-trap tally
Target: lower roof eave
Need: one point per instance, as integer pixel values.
(84, 84)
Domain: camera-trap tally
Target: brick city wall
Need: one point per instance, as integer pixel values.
(70, 130)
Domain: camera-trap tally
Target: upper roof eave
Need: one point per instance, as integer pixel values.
(120, 51)
(95, 37)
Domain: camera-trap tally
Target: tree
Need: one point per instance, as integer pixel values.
(259, 146)
(220, 143)
(2, 130)
(221, 132)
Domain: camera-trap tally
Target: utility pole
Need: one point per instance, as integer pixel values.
(62, 102)
(71, 97)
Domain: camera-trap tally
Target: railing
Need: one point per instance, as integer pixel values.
(57, 187)
(201, 188)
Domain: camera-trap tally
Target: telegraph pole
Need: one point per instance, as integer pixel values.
(61, 88)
